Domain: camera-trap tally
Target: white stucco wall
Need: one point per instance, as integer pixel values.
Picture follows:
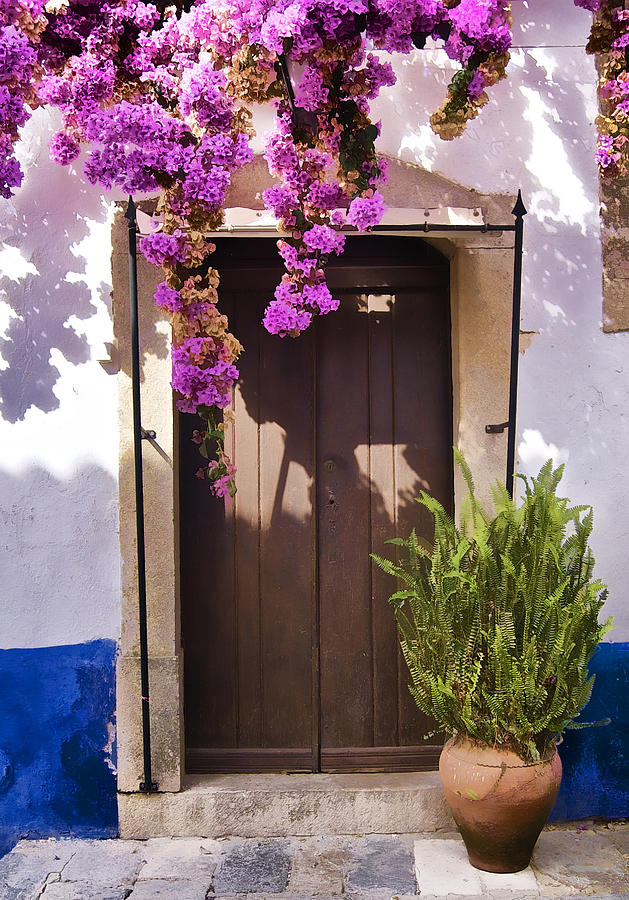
(58, 408)
(58, 425)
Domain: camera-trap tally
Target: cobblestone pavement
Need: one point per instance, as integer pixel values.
(583, 861)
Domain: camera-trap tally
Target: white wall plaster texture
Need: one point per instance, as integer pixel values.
(537, 134)
(58, 417)
(59, 430)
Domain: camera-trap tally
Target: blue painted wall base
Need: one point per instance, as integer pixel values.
(57, 707)
(596, 760)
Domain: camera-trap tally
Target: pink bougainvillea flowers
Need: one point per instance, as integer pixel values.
(159, 97)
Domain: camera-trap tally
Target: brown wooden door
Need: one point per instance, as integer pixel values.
(291, 655)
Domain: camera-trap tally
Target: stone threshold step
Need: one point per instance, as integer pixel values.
(288, 806)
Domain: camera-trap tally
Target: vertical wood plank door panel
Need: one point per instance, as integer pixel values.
(344, 527)
(287, 549)
(291, 658)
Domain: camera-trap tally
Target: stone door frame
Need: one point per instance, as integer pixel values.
(481, 269)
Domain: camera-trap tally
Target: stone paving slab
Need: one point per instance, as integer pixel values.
(443, 870)
(25, 870)
(569, 862)
(282, 896)
(81, 890)
(619, 836)
(110, 863)
(252, 866)
(379, 894)
(382, 865)
(167, 889)
(317, 867)
(176, 858)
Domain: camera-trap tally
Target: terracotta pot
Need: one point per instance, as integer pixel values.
(499, 802)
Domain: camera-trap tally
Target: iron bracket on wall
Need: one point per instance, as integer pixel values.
(496, 429)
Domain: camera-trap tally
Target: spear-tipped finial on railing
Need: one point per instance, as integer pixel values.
(130, 215)
(519, 210)
(129, 212)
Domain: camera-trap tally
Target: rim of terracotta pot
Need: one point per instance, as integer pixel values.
(548, 757)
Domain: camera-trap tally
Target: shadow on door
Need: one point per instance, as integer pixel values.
(290, 649)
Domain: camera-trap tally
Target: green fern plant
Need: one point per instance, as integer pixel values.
(499, 618)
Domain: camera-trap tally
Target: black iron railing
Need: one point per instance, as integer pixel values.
(519, 211)
(148, 784)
